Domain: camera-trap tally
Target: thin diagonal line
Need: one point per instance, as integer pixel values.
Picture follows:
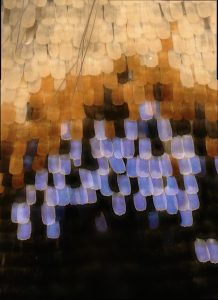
(80, 46)
(18, 35)
(78, 77)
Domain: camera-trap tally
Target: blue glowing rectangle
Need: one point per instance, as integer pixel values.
(164, 130)
(139, 202)
(127, 148)
(41, 180)
(145, 148)
(75, 149)
(145, 186)
(51, 196)
(99, 129)
(24, 231)
(118, 204)
(166, 166)
(131, 129)
(131, 167)
(48, 214)
(186, 218)
(142, 167)
(117, 164)
(105, 188)
(53, 231)
(106, 148)
(59, 180)
(53, 163)
(160, 202)
(124, 184)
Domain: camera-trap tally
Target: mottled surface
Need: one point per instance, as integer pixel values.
(137, 71)
(128, 261)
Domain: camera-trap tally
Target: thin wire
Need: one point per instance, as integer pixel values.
(83, 58)
(80, 46)
(16, 23)
(86, 28)
(78, 77)
(18, 35)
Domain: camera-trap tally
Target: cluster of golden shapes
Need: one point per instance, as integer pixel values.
(48, 108)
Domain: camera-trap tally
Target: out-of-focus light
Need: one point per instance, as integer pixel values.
(48, 214)
(27, 162)
(216, 163)
(100, 223)
(74, 196)
(118, 204)
(92, 197)
(153, 220)
(53, 230)
(203, 165)
(14, 212)
(23, 213)
(212, 246)
(201, 251)
(186, 218)
(30, 194)
(124, 184)
(24, 231)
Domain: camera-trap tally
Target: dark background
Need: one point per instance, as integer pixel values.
(128, 261)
